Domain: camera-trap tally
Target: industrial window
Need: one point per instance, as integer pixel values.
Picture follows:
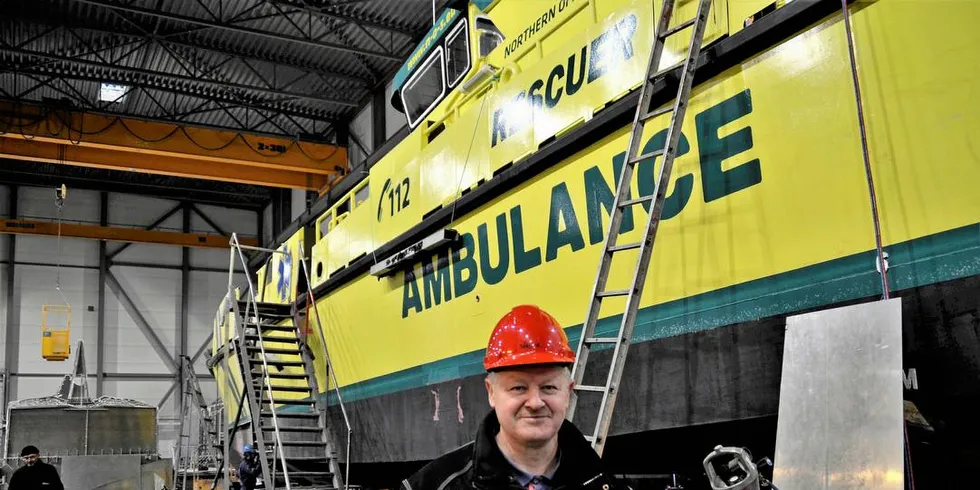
(425, 89)
(490, 36)
(457, 54)
(361, 194)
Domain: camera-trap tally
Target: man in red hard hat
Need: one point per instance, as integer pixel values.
(525, 441)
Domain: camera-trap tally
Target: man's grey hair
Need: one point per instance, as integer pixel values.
(492, 375)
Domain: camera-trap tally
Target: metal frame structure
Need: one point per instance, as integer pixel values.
(279, 67)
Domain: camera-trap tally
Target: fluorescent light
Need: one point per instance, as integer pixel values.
(112, 92)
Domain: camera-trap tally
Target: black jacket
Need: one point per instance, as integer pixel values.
(248, 472)
(39, 476)
(480, 465)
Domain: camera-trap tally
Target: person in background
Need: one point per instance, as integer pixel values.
(525, 441)
(35, 474)
(249, 469)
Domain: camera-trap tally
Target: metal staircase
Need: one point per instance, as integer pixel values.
(644, 248)
(289, 420)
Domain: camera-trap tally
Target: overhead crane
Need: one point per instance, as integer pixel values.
(90, 140)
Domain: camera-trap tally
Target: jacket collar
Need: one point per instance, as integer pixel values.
(490, 469)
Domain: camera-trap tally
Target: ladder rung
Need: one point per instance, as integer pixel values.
(628, 246)
(652, 154)
(589, 438)
(638, 200)
(599, 389)
(678, 28)
(602, 340)
(667, 70)
(613, 292)
(659, 112)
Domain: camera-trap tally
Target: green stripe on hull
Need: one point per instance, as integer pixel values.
(941, 257)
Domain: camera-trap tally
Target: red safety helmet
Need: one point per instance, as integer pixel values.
(526, 336)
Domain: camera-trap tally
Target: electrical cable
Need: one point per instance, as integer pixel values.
(851, 51)
(466, 161)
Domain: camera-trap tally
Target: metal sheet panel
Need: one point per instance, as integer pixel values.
(840, 406)
(101, 472)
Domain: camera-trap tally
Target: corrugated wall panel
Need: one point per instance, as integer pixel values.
(35, 387)
(150, 253)
(35, 288)
(156, 293)
(205, 292)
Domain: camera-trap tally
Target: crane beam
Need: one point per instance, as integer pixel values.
(117, 234)
(90, 140)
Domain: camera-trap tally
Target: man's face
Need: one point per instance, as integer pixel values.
(530, 403)
(30, 459)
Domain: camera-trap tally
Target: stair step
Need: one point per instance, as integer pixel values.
(289, 402)
(268, 309)
(306, 459)
(298, 474)
(294, 389)
(297, 444)
(267, 327)
(291, 415)
(276, 362)
(295, 429)
(265, 338)
(275, 375)
(272, 350)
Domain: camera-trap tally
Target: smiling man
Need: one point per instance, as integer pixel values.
(525, 442)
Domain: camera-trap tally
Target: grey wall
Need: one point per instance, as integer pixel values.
(150, 275)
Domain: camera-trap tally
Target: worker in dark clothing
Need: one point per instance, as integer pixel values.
(525, 442)
(249, 469)
(35, 474)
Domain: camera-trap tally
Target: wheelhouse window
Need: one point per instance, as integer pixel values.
(425, 89)
(490, 36)
(457, 54)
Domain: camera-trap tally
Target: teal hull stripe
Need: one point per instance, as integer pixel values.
(927, 260)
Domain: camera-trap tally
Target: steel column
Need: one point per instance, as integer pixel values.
(185, 279)
(103, 268)
(379, 129)
(12, 337)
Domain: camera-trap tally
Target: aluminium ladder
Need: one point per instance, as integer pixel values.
(633, 294)
(189, 457)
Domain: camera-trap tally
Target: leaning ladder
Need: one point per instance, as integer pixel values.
(633, 294)
(191, 393)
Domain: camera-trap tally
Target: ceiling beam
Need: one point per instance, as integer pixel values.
(211, 24)
(162, 85)
(117, 234)
(331, 12)
(121, 74)
(236, 196)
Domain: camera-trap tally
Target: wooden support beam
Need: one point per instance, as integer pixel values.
(33, 134)
(117, 234)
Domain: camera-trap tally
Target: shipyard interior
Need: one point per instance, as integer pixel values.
(446, 244)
